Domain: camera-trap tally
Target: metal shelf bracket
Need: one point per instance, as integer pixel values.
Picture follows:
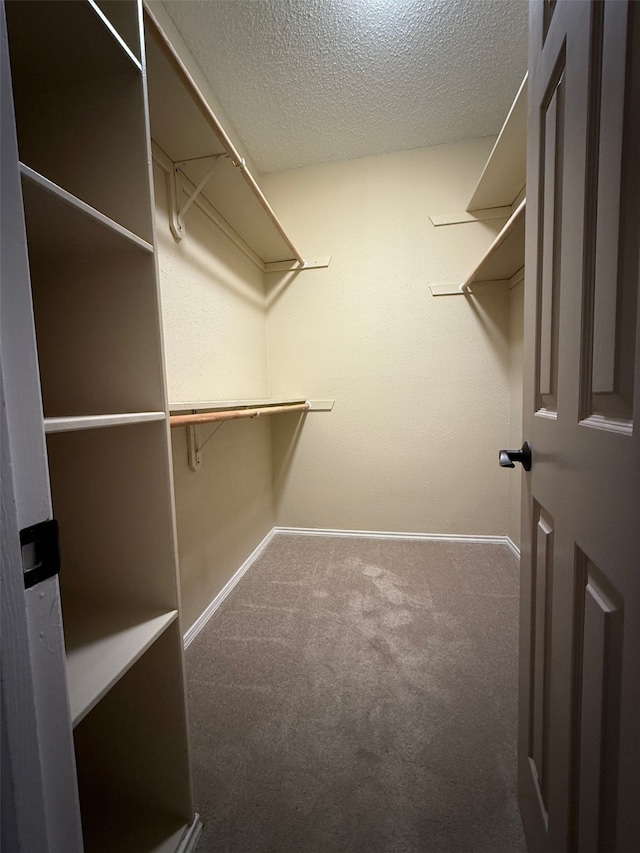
(177, 214)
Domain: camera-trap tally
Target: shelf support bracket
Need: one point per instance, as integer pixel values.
(194, 446)
(193, 450)
(177, 214)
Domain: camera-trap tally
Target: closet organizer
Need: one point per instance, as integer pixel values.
(79, 75)
(79, 89)
(203, 168)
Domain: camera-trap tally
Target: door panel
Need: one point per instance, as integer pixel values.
(600, 618)
(552, 121)
(542, 592)
(579, 748)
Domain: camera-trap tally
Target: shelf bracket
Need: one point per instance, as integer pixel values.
(194, 446)
(177, 214)
(193, 449)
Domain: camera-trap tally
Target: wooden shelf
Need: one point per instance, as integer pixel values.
(221, 405)
(132, 753)
(96, 357)
(184, 130)
(124, 19)
(504, 174)
(505, 256)
(101, 646)
(83, 422)
(80, 230)
(83, 140)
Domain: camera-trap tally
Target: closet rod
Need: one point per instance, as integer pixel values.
(234, 414)
(219, 131)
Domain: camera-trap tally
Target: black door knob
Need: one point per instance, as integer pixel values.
(508, 457)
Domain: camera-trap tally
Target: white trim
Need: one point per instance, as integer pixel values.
(204, 617)
(383, 534)
(202, 620)
(192, 834)
(512, 546)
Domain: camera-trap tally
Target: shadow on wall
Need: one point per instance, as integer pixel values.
(284, 441)
(276, 286)
(207, 252)
(487, 304)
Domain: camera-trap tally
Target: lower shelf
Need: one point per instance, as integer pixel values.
(135, 829)
(101, 647)
(132, 759)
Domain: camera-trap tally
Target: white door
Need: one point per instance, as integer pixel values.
(579, 740)
(40, 811)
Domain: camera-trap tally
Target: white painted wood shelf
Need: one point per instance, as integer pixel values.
(101, 647)
(82, 422)
(505, 256)
(504, 175)
(188, 133)
(499, 192)
(221, 405)
(80, 229)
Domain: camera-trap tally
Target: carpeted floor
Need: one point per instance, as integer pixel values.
(360, 695)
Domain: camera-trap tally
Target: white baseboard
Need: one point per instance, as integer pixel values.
(512, 546)
(202, 620)
(382, 534)
(204, 617)
(191, 835)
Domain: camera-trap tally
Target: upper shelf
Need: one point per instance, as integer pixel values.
(80, 230)
(505, 256)
(221, 405)
(186, 129)
(504, 174)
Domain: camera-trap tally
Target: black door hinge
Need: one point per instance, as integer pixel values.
(40, 552)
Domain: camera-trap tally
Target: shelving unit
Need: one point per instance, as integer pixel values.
(500, 192)
(84, 146)
(52, 425)
(95, 302)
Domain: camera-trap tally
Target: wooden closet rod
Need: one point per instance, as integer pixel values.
(218, 129)
(234, 414)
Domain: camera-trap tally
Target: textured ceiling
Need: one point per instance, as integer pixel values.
(307, 81)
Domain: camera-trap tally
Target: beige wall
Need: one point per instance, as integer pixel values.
(215, 348)
(516, 332)
(421, 383)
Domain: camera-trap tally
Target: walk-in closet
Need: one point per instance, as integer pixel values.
(238, 367)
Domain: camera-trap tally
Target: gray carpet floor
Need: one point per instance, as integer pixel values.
(360, 695)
